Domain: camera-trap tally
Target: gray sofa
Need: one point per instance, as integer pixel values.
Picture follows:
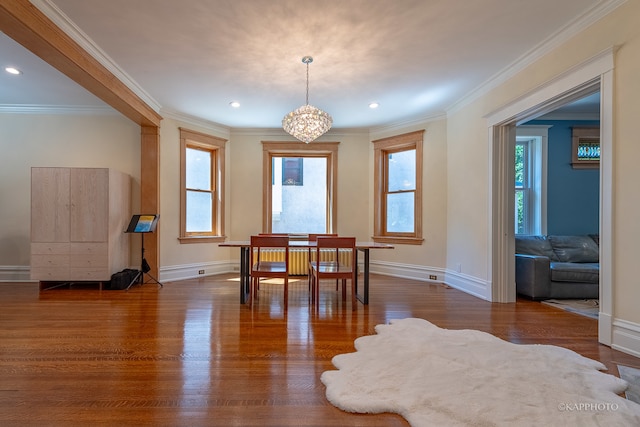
(557, 266)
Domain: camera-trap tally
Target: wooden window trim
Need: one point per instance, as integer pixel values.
(189, 138)
(329, 150)
(407, 141)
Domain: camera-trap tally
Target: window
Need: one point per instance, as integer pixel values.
(299, 187)
(522, 187)
(398, 189)
(530, 179)
(585, 148)
(202, 187)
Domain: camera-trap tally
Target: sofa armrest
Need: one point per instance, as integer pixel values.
(533, 276)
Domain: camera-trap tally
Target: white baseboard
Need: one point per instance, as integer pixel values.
(604, 328)
(469, 284)
(192, 271)
(626, 337)
(15, 273)
(407, 271)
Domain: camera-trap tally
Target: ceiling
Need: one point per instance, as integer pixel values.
(418, 59)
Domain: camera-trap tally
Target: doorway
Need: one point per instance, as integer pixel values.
(592, 76)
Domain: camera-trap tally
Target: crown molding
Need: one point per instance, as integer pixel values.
(196, 121)
(57, 109)
(552, 42)
(582, 79)
(403, 125)
(72, 30)
(282, 135)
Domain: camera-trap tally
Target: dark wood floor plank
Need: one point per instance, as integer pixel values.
(190, 354)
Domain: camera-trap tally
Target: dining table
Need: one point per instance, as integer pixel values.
(245, 273)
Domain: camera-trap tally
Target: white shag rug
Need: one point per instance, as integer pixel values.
(439, 377)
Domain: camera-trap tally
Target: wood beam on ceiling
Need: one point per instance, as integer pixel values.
(27, 25)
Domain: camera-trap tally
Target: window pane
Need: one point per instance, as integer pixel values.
(198, 169)
(402, 170)
(199, 212)
(292, 171)
(589, 149)
(520, 217)
(400, 212)
(520, 158)
(300, 208)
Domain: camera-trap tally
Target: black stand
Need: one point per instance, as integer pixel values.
(143, 224)
(144, 269)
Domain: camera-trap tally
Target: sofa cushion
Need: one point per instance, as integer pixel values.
(574, 248)
(535, 245)
(588, 272)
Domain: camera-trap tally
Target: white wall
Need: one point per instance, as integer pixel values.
(246, 181)
(355, 211)
(28, 140)
(468, 161)
(113, 141)
(420, 261)
(180, 260)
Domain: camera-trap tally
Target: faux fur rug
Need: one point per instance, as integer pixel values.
(439, 377)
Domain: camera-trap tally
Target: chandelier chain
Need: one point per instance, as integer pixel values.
(307, 84)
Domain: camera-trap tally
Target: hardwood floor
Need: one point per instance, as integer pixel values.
(189, 354)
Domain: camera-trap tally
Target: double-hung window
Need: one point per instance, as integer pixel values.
(398, 188)
(523, 191)
(202, 187)
(530, 184)
(300, 181)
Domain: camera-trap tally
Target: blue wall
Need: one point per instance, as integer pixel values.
(573, 197)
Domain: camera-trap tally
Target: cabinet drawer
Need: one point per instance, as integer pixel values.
(89, 249)
(50, 261)
(89, 274)
(88, 261)
(49, 248)
(46, 274)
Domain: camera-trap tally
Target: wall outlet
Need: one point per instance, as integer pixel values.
(200, 271)
(433, 277)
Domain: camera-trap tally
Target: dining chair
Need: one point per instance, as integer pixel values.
(268, 269)
(313, 237)
(334, 268)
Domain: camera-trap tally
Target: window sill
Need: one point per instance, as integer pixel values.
(398, 240)
(202, 239)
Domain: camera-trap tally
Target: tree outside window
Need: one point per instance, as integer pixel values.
(530, 179)
(522, 187)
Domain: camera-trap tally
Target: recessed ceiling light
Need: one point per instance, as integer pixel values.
(234, 104)
(12, 70)
(374, 105)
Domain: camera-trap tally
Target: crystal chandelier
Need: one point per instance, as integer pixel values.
(307, 122)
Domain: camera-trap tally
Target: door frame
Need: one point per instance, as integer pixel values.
(592, 75)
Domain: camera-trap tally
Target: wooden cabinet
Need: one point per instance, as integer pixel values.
(78, 218)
